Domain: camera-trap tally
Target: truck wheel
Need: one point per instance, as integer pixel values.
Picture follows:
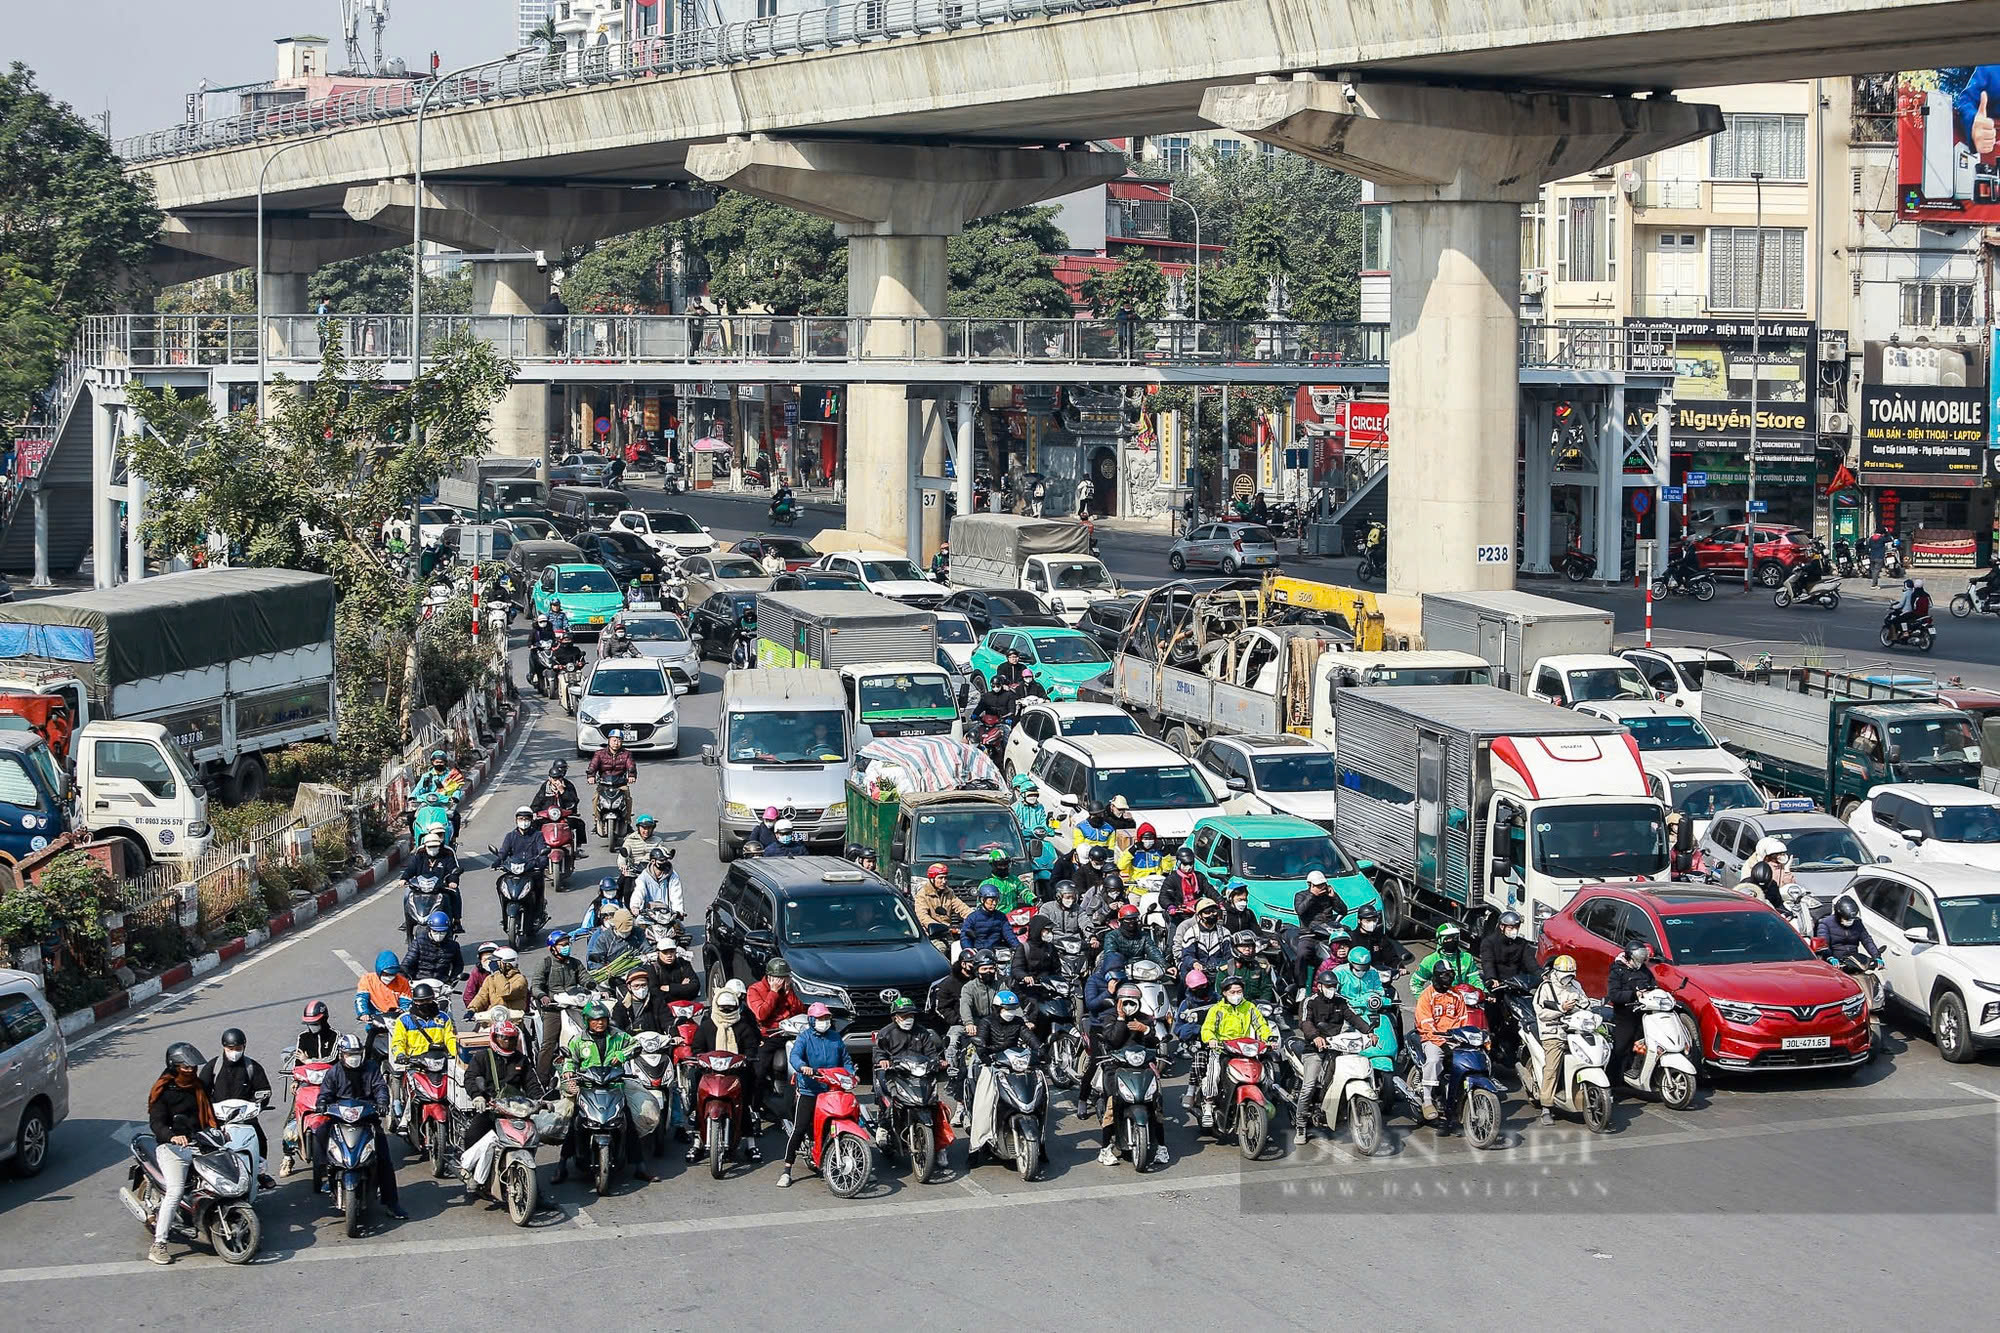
(246, 781)
(1390, 889)
(1179, 739)
(136, 855)
(725, 846)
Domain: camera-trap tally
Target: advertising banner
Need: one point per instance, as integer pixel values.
(1947, 144)
(1715, 362)
(1922, 435)
(1367, 425)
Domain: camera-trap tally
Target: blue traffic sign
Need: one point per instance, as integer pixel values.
(1672, 495)
(1759, 506)
(1696, 480)
(1641, 502)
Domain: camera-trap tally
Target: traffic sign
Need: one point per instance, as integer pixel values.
(1641, 502)
(604, 425)
(1759, 506)
(1696, 480)
(792, 412)
(1672, 495)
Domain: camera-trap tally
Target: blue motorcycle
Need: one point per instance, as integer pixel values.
(350, 1159)
(1469, 1087)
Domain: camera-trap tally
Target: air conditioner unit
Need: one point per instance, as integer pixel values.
(1833, 423)
(1833, 344)
(1534, 282)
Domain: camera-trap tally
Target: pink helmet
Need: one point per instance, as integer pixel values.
(1196, 978)
(819, 1011)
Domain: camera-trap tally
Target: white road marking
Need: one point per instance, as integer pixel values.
(1677, 1121)
(1979, 1092)
(972, 1186)
(583, 1219)
(345, 957)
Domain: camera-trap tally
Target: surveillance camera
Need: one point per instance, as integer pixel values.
(1347, 91)
(541, 261)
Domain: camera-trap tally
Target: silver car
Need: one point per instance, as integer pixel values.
(663, 636)
(1825, 852)
(1229, 547)
(34, 1072)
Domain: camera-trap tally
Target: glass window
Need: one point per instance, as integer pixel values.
(754, 912)
(1634, 921)
(627, 683)
(954, 631)
(947, 835)
(1606, 684)
(833, 920)
(786, 738)
(1971, 921)
(1966, 823)
(1713, 938)
(1102, 724)
(736, 567)
(1599, 916)
(1375, 239)
(1824, 848)
(668, 628)
(16, 787)
(1307, 770)
(1599, 842)
(891, 571)
(581, 581)
(20, 1018)
(1067, 650)
(1883, 897)
(1703, 799)
(1585, 254)
(1917, 912)
(1678, 732)
(1288, 858)
(139, 762)
(1170, 787)
(1773, 146)
(1174, 151)
(1732, 268)
(1933, 305)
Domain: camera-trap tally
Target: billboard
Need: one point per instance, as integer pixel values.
(1922, 435)
(1715, 362)
(1948, 145)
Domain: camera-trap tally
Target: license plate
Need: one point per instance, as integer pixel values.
(1805, 1043)
(597, 620)
(645, 578)
(1261, 560)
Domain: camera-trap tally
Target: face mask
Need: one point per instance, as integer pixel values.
(1232, 997)
(1327, 992)
(437, 937)
(562, 950)
(1357, 967)
(1208, 918)
(232, 1056)
(906, 1023)
(351, 1061)
(1509, 931)
(386, 978)
(523, 824)
(1010, 1015)
(1129, 1010)
(639, 994)
(822, 1025)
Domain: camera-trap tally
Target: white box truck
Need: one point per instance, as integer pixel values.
(1513, 630)
(1049, 558)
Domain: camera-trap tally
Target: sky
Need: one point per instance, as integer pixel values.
(142, 57)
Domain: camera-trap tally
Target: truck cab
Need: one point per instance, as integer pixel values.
(1069, 583)
(961, 829)
(1577, 678)
(901, 699)
(1550, 832)
(134, 782)
(34, 798)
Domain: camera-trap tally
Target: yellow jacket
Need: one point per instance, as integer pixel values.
(1226, 1022)
(409, 1037)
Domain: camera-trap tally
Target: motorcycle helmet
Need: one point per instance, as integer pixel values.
(314, 1015)
(505, 958)
(1232, 984)
(778, 969)
(937, 870)
(557, 937)
(522, 812)
(984, 959)
(1147, 836)
(1316, 879)
(1358, 958)
(1244, 942)
(645, 823)
(439, 925)
(439, 759)
(903, 1012)
(594, 1015)
(821, 1018)
(1129, 994)
(1770, 849)
(1448, 935)
(1098, 856)
(434, 838)
(504, 1036)
(1564, 964)
(853, 852)
(770, 814)
(424, 997)
(1366, 913)
(607, 889)
(665, 943)
(1114, 884)
(1127, 912)
(1098, 811)
(1066, 892)
(1443, 977)
(989, 894)
(1208, 910)
(1235, 886)
(1008, 1003)
(1196, 979)
(1328, 978)
(1184, 858)
(1844, 911)
(1636, 948)
(1024, 784)
(783, 828)
(352, 1053)
(1510, 921)
(387, 964)
(726, 1005)
(999, 861)
(661, 856)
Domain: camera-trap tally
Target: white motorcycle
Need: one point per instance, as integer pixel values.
(1352, 1085)
(223, 1182)
(1803, 910)
(1585, 1087)
(1153, 1002)
(1666, 1072)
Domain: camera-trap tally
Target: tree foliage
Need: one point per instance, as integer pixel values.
(379, 284)
(625, 269)
(762, 255)
(227, 294)
(74, 232)
(1001, 267)
(1136, 283)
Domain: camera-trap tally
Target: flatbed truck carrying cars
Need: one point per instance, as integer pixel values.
(1471, 800)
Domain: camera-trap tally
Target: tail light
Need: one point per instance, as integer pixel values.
(1237, 543)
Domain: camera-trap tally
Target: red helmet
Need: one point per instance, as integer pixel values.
(314, 1015)
(1127, 910)
(937, 868)
(819, 1011)
(505, 1037)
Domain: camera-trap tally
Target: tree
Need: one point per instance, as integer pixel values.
(1136, 283)
(762, 255)
(379, 284)
(228, 294)
(628, 268)
(1001, 267)
(74, 231)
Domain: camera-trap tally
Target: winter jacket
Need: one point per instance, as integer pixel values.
(1309, 907)
(636, 851)
(1038, 959)
(1259, 986)
(1386, 953)
(506, 990)
(559, 974)
(317, 1044)
(1135, 946)
(1138, 861)
(365, 1084)
(473, 981)
(940, 907)
(552, 792)
(519, 846)
(606, 944)
(648, 891)
(997, 1034)
(373, 996)
(1556, 989)
(1113, 1032)
(817, 1050)
(1180, 890)
(1466, 965)
(985, 929)
(443, 864)
(1100, 906)
(892, 1043)
(1209, 945)
(651, 1016)
(605, 764)
(587, 1052)
(1355, 990)
(1503, 959)
(1227, 1022)
(1063, 920)
(677, 982)
(1100, 989)
(1084, 835)
(944, 1000)
(433, 960)
(491, 1075)
(1235, 919)
(748, 1040)
(1625, 982)
(1438, 1012)
(1324, 1017)
(975, 1002)
(1843, 941)
(1033, 820)
(412, 1036)
(771, 1007)
(234, 1080)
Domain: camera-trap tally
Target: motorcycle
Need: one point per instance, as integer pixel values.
(1699, 585)
(721, 1097)
(1351, 1085)
(1920, 634)
(649, 1088)
(913, 1112)
(1148, 976)
(600, 1102)
(1803, 910)
(572, 687)
(1244, 1095)
(1665, 1071)
(425, 894)
(1573, 564)
(350, 1159)
(1974, 598)
(427, 1108)
(1824, 592)
(517, 888)
(541, 671)
(433, 812)
(221, 1195)
(302, 1080)
(1892, 558)
(1845, 563)
(1585, 1086)
(519, 1127)
(560, 839)
(1021, 1107)
(673, 482)
(1468, 1077)
(613, 808)
(989, 733)
(1873, 979)
(784, 515)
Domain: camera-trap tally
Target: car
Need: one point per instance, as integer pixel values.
(580, 470)
(1698, 793)
(810, 579)
(1779, 547)
(956, 637)
(961, 676)
(1270, 775)
(1938, 929)
(1677, 673)
(887, 575)
(1229, 547)
(1159, 785)
(1668, 739)
(634, 697)
(590, 596)
(992, 608)
(1574, 678)
(663, 637)
(1273, 854)
(1106, 618)
(34, 1072)
(421, 525)
(526, 529)
(848, 936)
(666, 530)
(499, 540)
(721, 572)
(1930, 822)
(1036, 720)
(628, 558)
(1061, 658)
(796, 552)
(1759, 998)
(1825, 852)
(712, 623)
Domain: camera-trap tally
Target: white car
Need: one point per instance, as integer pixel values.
(887, 574)
(667, 531)
(1270, 775)
(956, 638)
(1159, 785)
(1667, 737)
(1038, 720)
(662, 637)
(1578, 678)
(1699, 793)
(427, 526)
(1930, 822)
(1678, 673)
(1938, 927)
(633, 696)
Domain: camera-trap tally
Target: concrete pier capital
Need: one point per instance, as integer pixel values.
(520, 217)
(291, 244)
(1422, 143)
(898, 189)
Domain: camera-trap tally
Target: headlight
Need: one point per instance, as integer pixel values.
(1852, 1008)
(199, 829)
(822, 991)
(838, 810)
(737, 810)
(1746, 1014)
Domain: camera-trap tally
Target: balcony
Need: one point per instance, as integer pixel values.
(1670, 194)
(1669, 305)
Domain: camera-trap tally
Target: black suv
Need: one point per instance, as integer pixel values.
(624, 554)
(847, 935)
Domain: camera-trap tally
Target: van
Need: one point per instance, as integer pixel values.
(34, 796)
(34, 1072)
(782, 740)
(531, 558)
(575, 509)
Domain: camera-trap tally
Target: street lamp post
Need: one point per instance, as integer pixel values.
(1170, 197)
(261, 340)
(1756, 379)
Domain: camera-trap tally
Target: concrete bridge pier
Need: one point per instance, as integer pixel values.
(1456, 165)
(898, 206)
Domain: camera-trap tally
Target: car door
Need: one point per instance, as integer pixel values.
(1880, 822)
(1659, 673)
(1219, 865)
(755, 915)
(1206, 548)
(1208, 762)
(1718, 850)
(1594, 942)
(1025, 741)
(1882, 899)
(545, 588)
(1548, 685)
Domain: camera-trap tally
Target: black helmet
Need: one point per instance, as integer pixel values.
(1444, 976)
(182, 1054)
(559, 769)
(1846, 912)
(1098, 810)
(1243, 939)
(1367, 912)
(233, 1039)
(854, 850)
(1098, 854)
(1185, 856)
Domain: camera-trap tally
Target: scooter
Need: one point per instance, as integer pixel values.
(560, 839)
(1824, 592)
(1574, 565)
(1468, 1081)
(649, 1089)
(302, 1080)
(742, 651)
(1153, 1002)
(1665, 1071)
(842, 1150)
(572, 687)
(1052, 1011)
(1020, 1112)
(1699, 585)
(512, 1182)
(1132, 1078)
(427, 1108)
(1844, 562)
(613, 808)
(1244, 1095)
(1920, 634)
(600, 1102)
(720, 1105)
(1974, 598)
(350, 1158)
(429, 814)
(221, 1195)
(425, 894)
(1803, 910)
(913, 1112)
(517, 891)
(1585, 1086)
(1351, 1085)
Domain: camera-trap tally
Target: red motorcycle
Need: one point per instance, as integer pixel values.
(427, 1110)
(842, 1151)
(1244, 1105)
(720, 1105)
(560, 839)
(304, 1077)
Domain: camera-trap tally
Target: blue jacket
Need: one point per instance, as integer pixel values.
(1980, 79)
(1100, 988)
(983, 929)
(519, 846)
(813, 1050)
(1848, 941)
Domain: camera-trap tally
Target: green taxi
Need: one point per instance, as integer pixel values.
(1272, 854)
(590, 596)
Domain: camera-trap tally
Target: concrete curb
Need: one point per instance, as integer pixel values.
(293, 918)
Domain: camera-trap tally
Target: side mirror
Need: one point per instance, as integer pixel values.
(1895, 754)
(1918, 934)
(1236, 784)
(1364, 867)
(1881, 860)
(708, 755)
(1914, 838)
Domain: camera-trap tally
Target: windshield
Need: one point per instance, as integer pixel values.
(1703, 799)
(1288, 858)
(1176, 787)
(786, 738)
(666, 520)
(533, 529)
(1696, 672)
(585, 580)
(52, 777)
(1966, 823)
(1465, 675)
(655, 627)
(1075, 574)
(945, 835)
(1018, 600)
(626, 683)
(1678, 732)
(1970, 921)
(890, 571)
(1599, 841)
(819, 580)
(1101, 724)
(515, 492)
(887, 696)
(1595, 683)
(955, 631)
(1063, 650)
(1823, 848)
(438, 514)
(1308, 770)
(839, 919)
(1933, 740)
(737, 567)
(1256, 537)
(1716, 938)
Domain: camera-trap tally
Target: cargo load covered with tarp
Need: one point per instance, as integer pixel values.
(171, 624)
(988, 550)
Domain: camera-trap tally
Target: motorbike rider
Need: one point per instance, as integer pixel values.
(1389, 955)
(1315, 903)
(1088, 867)
(640, 1008)
(782, 499)
(541, 642)
(558, 617)
(379, 995)
(1505, 956)
(941, 562)
(1260, 984)
(1100, 988)
(504, 987)
(673, 976)
(659, 885)
(417, 1031)
(940, 913)
(234, 1076)
(1234, 1016)
(638, 846)
(1095, 829)
(1064, 910)
(817, 1048)
(1845, 936)
(1439, 1010)
(1808, 571)
(728, 1026)
(503, 1071)
(599, 1044)
(1004, 1027)
(1768, 871)
(1451, 949)
(1006, 889)
(1914, 605)
(1101, 903)
(1236, 912)
(524, 843)
(435, 858)
(177, 1110)
(437, 784)
(1120, 1027)
(355, 1077)
(1683, 566)
(558, 790)
(771, 1001)
(562, 972)
(1037, 959)
(902, 1037)
(1129, 937)
(785, 840)
(433, 954)
(612, 761)
(985, 927)
(618, 643)
(1630, 977)
(1558, 996)
(316, 1036)
(1985, 589)
(1181, 887)
(975, 1001)
(1201, 942)
(1029, 812)
(1007, 676)
(616, 934)
(1326, 1015)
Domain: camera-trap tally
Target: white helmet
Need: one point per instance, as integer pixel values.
(1768, 848)
(506, 955)
(782, 827)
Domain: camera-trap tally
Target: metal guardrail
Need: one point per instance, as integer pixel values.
(524, 75)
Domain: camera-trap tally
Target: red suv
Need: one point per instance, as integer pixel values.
(1779, 547)
(1762, 998)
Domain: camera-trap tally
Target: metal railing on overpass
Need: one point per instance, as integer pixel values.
(812, 29)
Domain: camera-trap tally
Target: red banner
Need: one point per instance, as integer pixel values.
(1366, 425)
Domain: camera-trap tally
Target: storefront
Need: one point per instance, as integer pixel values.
(815, 435)
(1923, 461)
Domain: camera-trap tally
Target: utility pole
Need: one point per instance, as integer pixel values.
(1756, 380)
